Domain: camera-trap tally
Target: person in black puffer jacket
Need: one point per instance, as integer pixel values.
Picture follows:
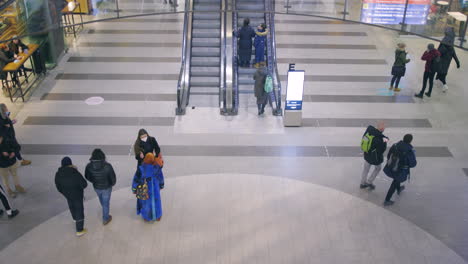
(374, 156)
(101, 174)
(71, 184)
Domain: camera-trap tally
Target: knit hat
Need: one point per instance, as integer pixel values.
(149, 158)
(66, 162)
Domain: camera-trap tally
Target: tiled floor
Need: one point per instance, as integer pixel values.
(224, 212)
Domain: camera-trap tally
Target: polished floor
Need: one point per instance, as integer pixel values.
(244, 189)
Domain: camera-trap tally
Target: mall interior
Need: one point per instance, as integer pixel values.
(240, 186)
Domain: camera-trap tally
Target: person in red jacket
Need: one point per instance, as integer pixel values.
(432, 58)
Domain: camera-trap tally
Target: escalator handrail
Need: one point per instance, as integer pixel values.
(271, 52)
(183, 83)
(222, 66)
(235, 74)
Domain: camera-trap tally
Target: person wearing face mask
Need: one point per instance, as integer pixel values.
(7, 129)
(145, 144)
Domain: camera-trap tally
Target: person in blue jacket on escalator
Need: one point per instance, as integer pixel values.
(259, 44)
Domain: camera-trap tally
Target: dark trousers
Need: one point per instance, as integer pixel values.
(77, 211)
(395, 81)
(3, 197)
(442, 78)
(395, 186)
(261, 102)
(428, 76)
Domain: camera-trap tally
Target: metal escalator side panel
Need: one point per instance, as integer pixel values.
(235, 69)
(183, 84)
(271, 55)
(228, 59)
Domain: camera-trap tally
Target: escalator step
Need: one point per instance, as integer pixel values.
(206, 42)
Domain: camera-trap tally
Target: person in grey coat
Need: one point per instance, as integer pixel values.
(259, 89)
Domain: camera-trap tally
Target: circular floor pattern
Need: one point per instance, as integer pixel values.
(228, 218)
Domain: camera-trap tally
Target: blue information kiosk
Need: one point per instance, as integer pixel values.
(294, 92)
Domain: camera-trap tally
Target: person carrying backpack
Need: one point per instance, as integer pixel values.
(400, 159)
(374, 144)
(260, 77)
(432, 58)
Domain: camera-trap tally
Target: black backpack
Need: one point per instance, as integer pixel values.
(435, 64)
(397, 160)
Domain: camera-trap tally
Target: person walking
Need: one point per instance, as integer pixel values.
(101, 174)
(259, 43)
(145, 144)
(432, 58)
(259, 89)
(146, 186)
(400, 159)
(11, 213)
(9, 165)
(399, 66)
(71, 184)
(245, 35)
(7, 128)
(447, 53)
(374, 144)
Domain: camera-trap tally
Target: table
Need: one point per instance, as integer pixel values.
(68, 13)
(458, 16)
(14, 67)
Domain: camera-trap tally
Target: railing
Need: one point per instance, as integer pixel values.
(226, 86)
(183, 84)
(235, 70)
(271, 55)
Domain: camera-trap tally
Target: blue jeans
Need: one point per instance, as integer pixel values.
(104, 198)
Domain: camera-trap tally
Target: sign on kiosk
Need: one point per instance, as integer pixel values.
(295, 90)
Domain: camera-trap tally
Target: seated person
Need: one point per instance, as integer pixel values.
(6, 56)
(17, 47)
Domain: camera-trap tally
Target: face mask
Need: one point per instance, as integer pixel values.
(144, 139)
(8, 113)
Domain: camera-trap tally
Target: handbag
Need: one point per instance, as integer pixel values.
(398, 71)
(142, 191)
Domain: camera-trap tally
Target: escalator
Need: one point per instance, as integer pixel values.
(206, 53)
(255, 11)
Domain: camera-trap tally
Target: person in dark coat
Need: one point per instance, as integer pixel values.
(374, 156)
(7, 128)
(407, 160)
(17, 46)
(102, 175)
(430, 55)
(245, 35)
(447, 53)
(145, 144)
(259, 89)
(4, 60)
(71, 184)
(399, 66)
(9, 165)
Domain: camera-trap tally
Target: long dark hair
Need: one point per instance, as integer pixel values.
(98, 154)
(136, 147)
(246, 22)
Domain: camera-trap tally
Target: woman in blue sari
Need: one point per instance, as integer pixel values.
(150, 173)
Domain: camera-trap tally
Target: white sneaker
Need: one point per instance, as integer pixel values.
(445, 89)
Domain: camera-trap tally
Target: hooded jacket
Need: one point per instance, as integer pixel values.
(70, 183)
(447, 52)
(408, 161)
(400, 58)
(375, 155)
(101, 174)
